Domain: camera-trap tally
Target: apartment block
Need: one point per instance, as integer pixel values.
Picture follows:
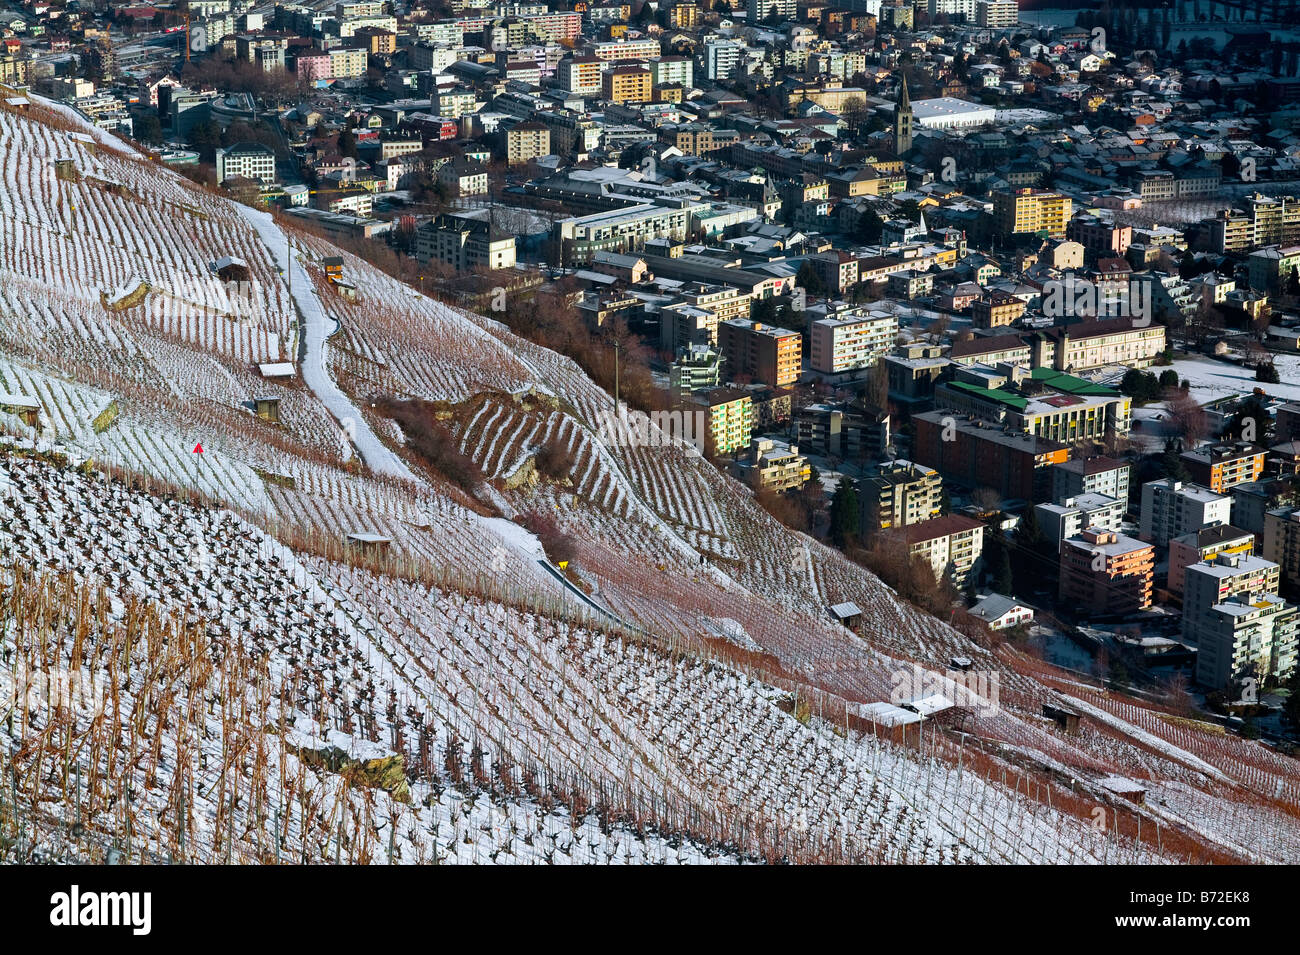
(464, 243)
(1095, 475)
(773, 466)
(771, 355)
(580, 74)
(1074, 515)
(996, 309)
(526, 142)
(672, 70)
(851, 433)
(1235, 620)
(627, 84)
(730, 419)
(1029, 211)
(1106, 572)
(952, 545)
(849, 341)
(901, 493)
(697, 368)
(1173, 508)
(1281, 541)
(1221, 466)
(975, 453)
(997, 14)
(1270, 269)
(1100, 237)
(246, 160)
(1204, 546)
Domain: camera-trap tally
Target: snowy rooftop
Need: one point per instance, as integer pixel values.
(928, 705)
(887, 714)
(1122, 784)
(365, 537)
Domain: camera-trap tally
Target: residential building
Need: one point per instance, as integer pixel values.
(1031, 211)
(850, 433)
(901, 493)
(698, 367)
(773, 466)
(1235, 620)
(779, 11)
(526, 142)
(730, 419)
(1204, 546)
(1221, 466)
(1270, 269)
(627, 84)
(1074, 515)
(1001, 612)
(914, 371)
(849, 339)
(1104, 572)
(771, 355)
(464, 178)
(580, 74)
(996, 309)
(997, 14)
(246, 160)
(1081, 346)
(1173, 508)
(952, 545)
(720, 58)
(1281, 542)
(1095, 475)
(672, 71)
(465, 243)
(972, 452)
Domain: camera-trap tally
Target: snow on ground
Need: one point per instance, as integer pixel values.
(1213, 379)
(103, 137)
(1147, 739)
(315, 367)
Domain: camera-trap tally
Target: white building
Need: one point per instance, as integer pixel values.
(720, 58)
(1236, 621)
(247, 160)
(1095, 475)
(1001, 612)
(761, 10)
(1069, 518)
(849, 341)
(997, 14)
(948, 112)
(1173, 508)
(672, 70)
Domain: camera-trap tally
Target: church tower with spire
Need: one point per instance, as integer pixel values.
(903, 121)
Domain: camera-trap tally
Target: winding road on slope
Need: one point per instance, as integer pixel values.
(317, 328)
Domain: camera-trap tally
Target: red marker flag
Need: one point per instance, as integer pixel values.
(198, 449)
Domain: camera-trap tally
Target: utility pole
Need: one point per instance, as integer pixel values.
(616, 348)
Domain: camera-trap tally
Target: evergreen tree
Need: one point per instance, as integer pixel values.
(348, 144)
(809, 280)
(1172, 463)
(1003, 575)
(845, 513)
(1031, 559)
